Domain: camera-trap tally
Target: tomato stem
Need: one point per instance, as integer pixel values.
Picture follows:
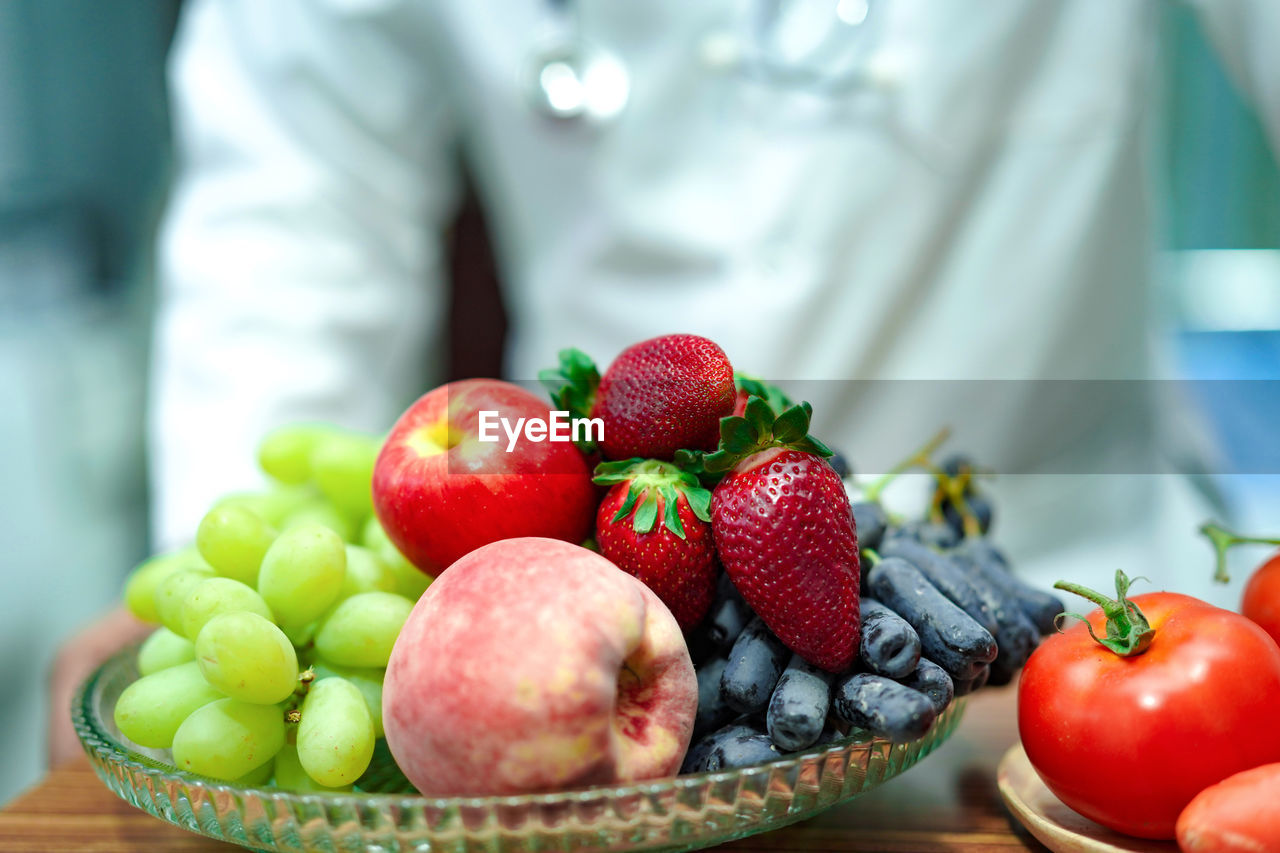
(1222, 540)
(1128, 631)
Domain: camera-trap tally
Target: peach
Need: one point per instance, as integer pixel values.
(537, 665)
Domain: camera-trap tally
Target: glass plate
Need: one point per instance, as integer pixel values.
(683, 813)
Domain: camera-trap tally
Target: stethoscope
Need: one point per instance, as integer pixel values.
(820, 47)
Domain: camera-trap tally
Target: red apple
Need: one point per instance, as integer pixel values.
(440, 492)
(534, 665)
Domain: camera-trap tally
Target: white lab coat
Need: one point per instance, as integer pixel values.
(977, 208)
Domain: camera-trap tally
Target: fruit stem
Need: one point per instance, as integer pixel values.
(921, 457)
(1222, 539)
(953, 489)
(1128, 631)
(872, 556)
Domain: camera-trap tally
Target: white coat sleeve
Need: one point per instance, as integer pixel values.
(300, 259)
(1245, 33)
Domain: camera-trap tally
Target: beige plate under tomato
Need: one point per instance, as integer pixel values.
(1052, 823)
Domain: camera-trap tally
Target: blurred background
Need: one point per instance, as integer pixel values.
(84, 164)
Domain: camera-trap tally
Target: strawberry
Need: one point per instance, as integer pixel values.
(655, 524)
(784, 532)
(657, 397)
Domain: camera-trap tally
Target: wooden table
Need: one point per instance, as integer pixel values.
(948, 802)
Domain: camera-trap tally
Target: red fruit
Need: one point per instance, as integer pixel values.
(441, 492)
(784, 532)
(664, 394)
(655, 524)
(1261, 601)
(1240, 814)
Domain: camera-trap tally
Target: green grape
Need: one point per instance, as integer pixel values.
(285, 452)
(367, 681)
(150, 710)
(140, 588)
(259, 777)
(411, 582)
(233, 540)
(228, 739)
(172, 593)
(342, 467)
(323, 513)
(272, 506)
(302, 573)
(361, 630)
(300, 635)
(290, 776)
(164, 649)
(335, 735)
(366, 572)
(247, 658)
(219, 595)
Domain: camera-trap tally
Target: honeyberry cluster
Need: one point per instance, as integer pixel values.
(942, 615)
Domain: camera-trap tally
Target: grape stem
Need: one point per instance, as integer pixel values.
(953, 489)
(920, 458)
(1222, 540)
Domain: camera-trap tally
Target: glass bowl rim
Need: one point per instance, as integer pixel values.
(96, 739)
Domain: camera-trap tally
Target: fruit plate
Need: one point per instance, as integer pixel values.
(683, 813)
(1054, 824)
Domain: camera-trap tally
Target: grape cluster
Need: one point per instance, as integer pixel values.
(941, 616)
(275, 625)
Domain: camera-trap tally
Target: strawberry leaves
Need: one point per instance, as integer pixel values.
(649, 480)
(771, 394)
(573, 384)
(759, 429)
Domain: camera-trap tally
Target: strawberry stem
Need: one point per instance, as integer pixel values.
(1222, 540)
(651, 481)
(1128, 632)
(759, 429)
(572, 387)
(919, 458)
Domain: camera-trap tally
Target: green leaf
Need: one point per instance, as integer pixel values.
(611, 473)
(760, 416)
(577, 363)
(633, 494)
(809, 444)
(720, 461)
(646, 515)
(553, 380)
(773, 395)
(700, 502)
(792, 425)
(671, 510)
(572, 386)
(737, 436)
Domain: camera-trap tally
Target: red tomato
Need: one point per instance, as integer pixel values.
(1238, 815)
(1128, 741)
(1261, 601)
